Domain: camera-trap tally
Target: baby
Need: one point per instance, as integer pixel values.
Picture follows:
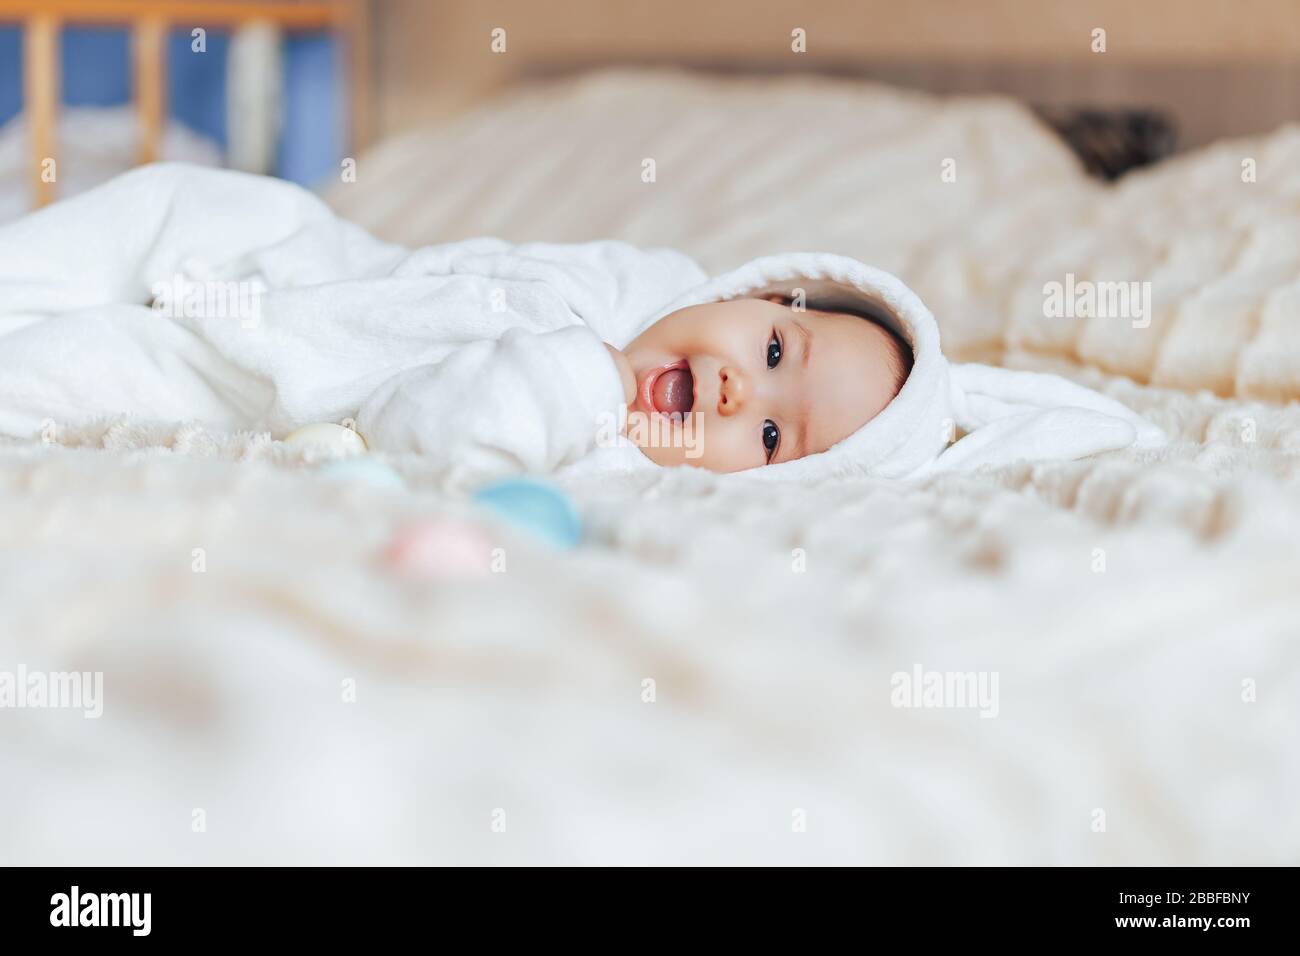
(765, 383)
(175, 293)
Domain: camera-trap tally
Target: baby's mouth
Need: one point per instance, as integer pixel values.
(670, 390)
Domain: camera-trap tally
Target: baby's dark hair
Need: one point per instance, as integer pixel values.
(901, 357)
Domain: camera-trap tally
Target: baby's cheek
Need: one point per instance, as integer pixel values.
(659, 439)
(701, 441)
(723, 445)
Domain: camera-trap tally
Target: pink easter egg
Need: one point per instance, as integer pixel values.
(439, 548)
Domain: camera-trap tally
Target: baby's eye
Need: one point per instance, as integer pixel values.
(773, 351)
(771, 437)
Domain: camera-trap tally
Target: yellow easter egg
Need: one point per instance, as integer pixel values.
(336, 438)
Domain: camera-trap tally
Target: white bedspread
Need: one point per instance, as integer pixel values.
(1139, 609)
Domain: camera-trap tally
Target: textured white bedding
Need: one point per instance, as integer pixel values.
(770, 618)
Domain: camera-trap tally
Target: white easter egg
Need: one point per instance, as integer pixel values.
(328, 435)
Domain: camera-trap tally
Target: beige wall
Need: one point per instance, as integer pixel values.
(1223, 66)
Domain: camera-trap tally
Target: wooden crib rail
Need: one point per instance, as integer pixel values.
(149, 22)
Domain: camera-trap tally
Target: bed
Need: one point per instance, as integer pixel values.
(712, 676)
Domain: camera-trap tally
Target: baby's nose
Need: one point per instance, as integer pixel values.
(732, 391)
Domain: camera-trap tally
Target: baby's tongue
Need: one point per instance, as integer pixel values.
(673, 391)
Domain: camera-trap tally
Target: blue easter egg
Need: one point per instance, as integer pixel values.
(535, 507)
(363, 468)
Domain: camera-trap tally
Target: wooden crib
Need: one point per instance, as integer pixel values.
(149, 22)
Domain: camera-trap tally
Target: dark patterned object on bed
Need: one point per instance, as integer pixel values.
(1111, 142)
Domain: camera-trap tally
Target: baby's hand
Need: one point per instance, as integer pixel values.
(625, 374)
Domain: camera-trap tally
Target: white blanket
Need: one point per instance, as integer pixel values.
(1140, 608)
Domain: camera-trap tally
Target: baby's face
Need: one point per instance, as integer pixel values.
(758, 382)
